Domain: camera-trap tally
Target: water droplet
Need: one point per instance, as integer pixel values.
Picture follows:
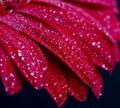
(93, 43)
(19, 53)
(44, 68)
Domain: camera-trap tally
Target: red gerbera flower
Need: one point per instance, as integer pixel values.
(57, 44)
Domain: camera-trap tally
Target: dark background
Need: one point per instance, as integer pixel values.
(28, 97)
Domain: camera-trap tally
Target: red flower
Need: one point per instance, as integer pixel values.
(58, 44)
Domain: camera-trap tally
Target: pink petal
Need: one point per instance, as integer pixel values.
(25, 54)
(56, 42)
(81, 36)
(55, 82)
(57, 77)
(109, 3)
(65, 22)
(82, 14)
(10, 77)
(75, 86)
(107, 18)
(116, 52)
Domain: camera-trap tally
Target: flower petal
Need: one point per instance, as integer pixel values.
(109, 3)
(107, 18)
(9, 74)
(82, 31)
(55, 41)
(83, 14)
(55, 82)
(75, 86)
(58, 74)
(25, 54)
(75, 92)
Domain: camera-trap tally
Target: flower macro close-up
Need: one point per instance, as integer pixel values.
(59, 53)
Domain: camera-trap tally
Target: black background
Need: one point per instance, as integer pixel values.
(28, 97)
